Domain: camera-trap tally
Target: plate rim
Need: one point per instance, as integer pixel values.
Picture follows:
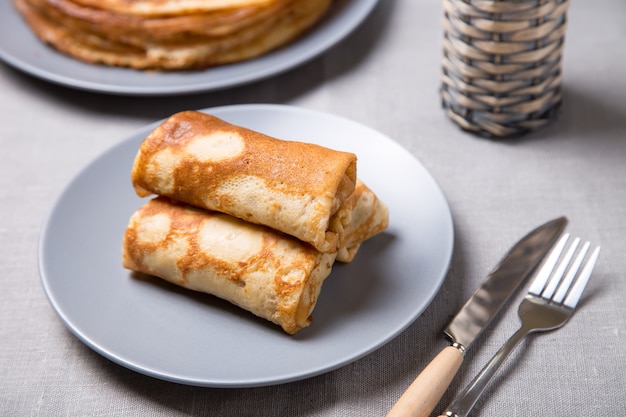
(250, 382)
(324, 36)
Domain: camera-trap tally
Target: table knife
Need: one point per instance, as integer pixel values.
(425, 392)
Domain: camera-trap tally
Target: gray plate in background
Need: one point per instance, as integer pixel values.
(20, 48)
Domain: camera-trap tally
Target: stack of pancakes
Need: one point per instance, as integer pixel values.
(169, 34)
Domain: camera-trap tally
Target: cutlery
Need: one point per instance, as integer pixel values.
(424, 393)
(550, 302)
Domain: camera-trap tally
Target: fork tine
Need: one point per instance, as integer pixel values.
(560, 270)
(548, 266)
(571, 274)
(579, 286)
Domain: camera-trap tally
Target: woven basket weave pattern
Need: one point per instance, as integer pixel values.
(501, 69)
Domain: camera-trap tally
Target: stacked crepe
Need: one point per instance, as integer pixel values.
(252, 219)
(169, 34)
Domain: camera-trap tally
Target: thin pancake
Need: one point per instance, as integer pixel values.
(270, 274)
(176, 42)
(142, 31)
(170, 7)
(362, 216)
(293, 187)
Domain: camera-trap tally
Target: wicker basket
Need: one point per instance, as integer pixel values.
(502, 64)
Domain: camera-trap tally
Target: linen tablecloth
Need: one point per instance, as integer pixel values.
(385, 75)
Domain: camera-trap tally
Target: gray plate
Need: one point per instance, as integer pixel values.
(21, 49)
(191, 338)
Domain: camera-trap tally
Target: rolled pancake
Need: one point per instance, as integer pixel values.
(362, 216)
(270, 274)
(290, 186)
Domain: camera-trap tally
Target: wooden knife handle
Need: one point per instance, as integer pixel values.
(429, 386)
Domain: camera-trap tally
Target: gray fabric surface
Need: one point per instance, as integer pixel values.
(385, 75)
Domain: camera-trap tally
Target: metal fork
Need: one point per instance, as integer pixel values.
(550, 302)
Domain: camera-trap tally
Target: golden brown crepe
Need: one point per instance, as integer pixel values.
(266, 272)
(142, 30)
(362, 216)
(167, 7)
(169, 34)
(292, 187)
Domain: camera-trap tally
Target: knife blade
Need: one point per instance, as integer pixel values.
(427, 389)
